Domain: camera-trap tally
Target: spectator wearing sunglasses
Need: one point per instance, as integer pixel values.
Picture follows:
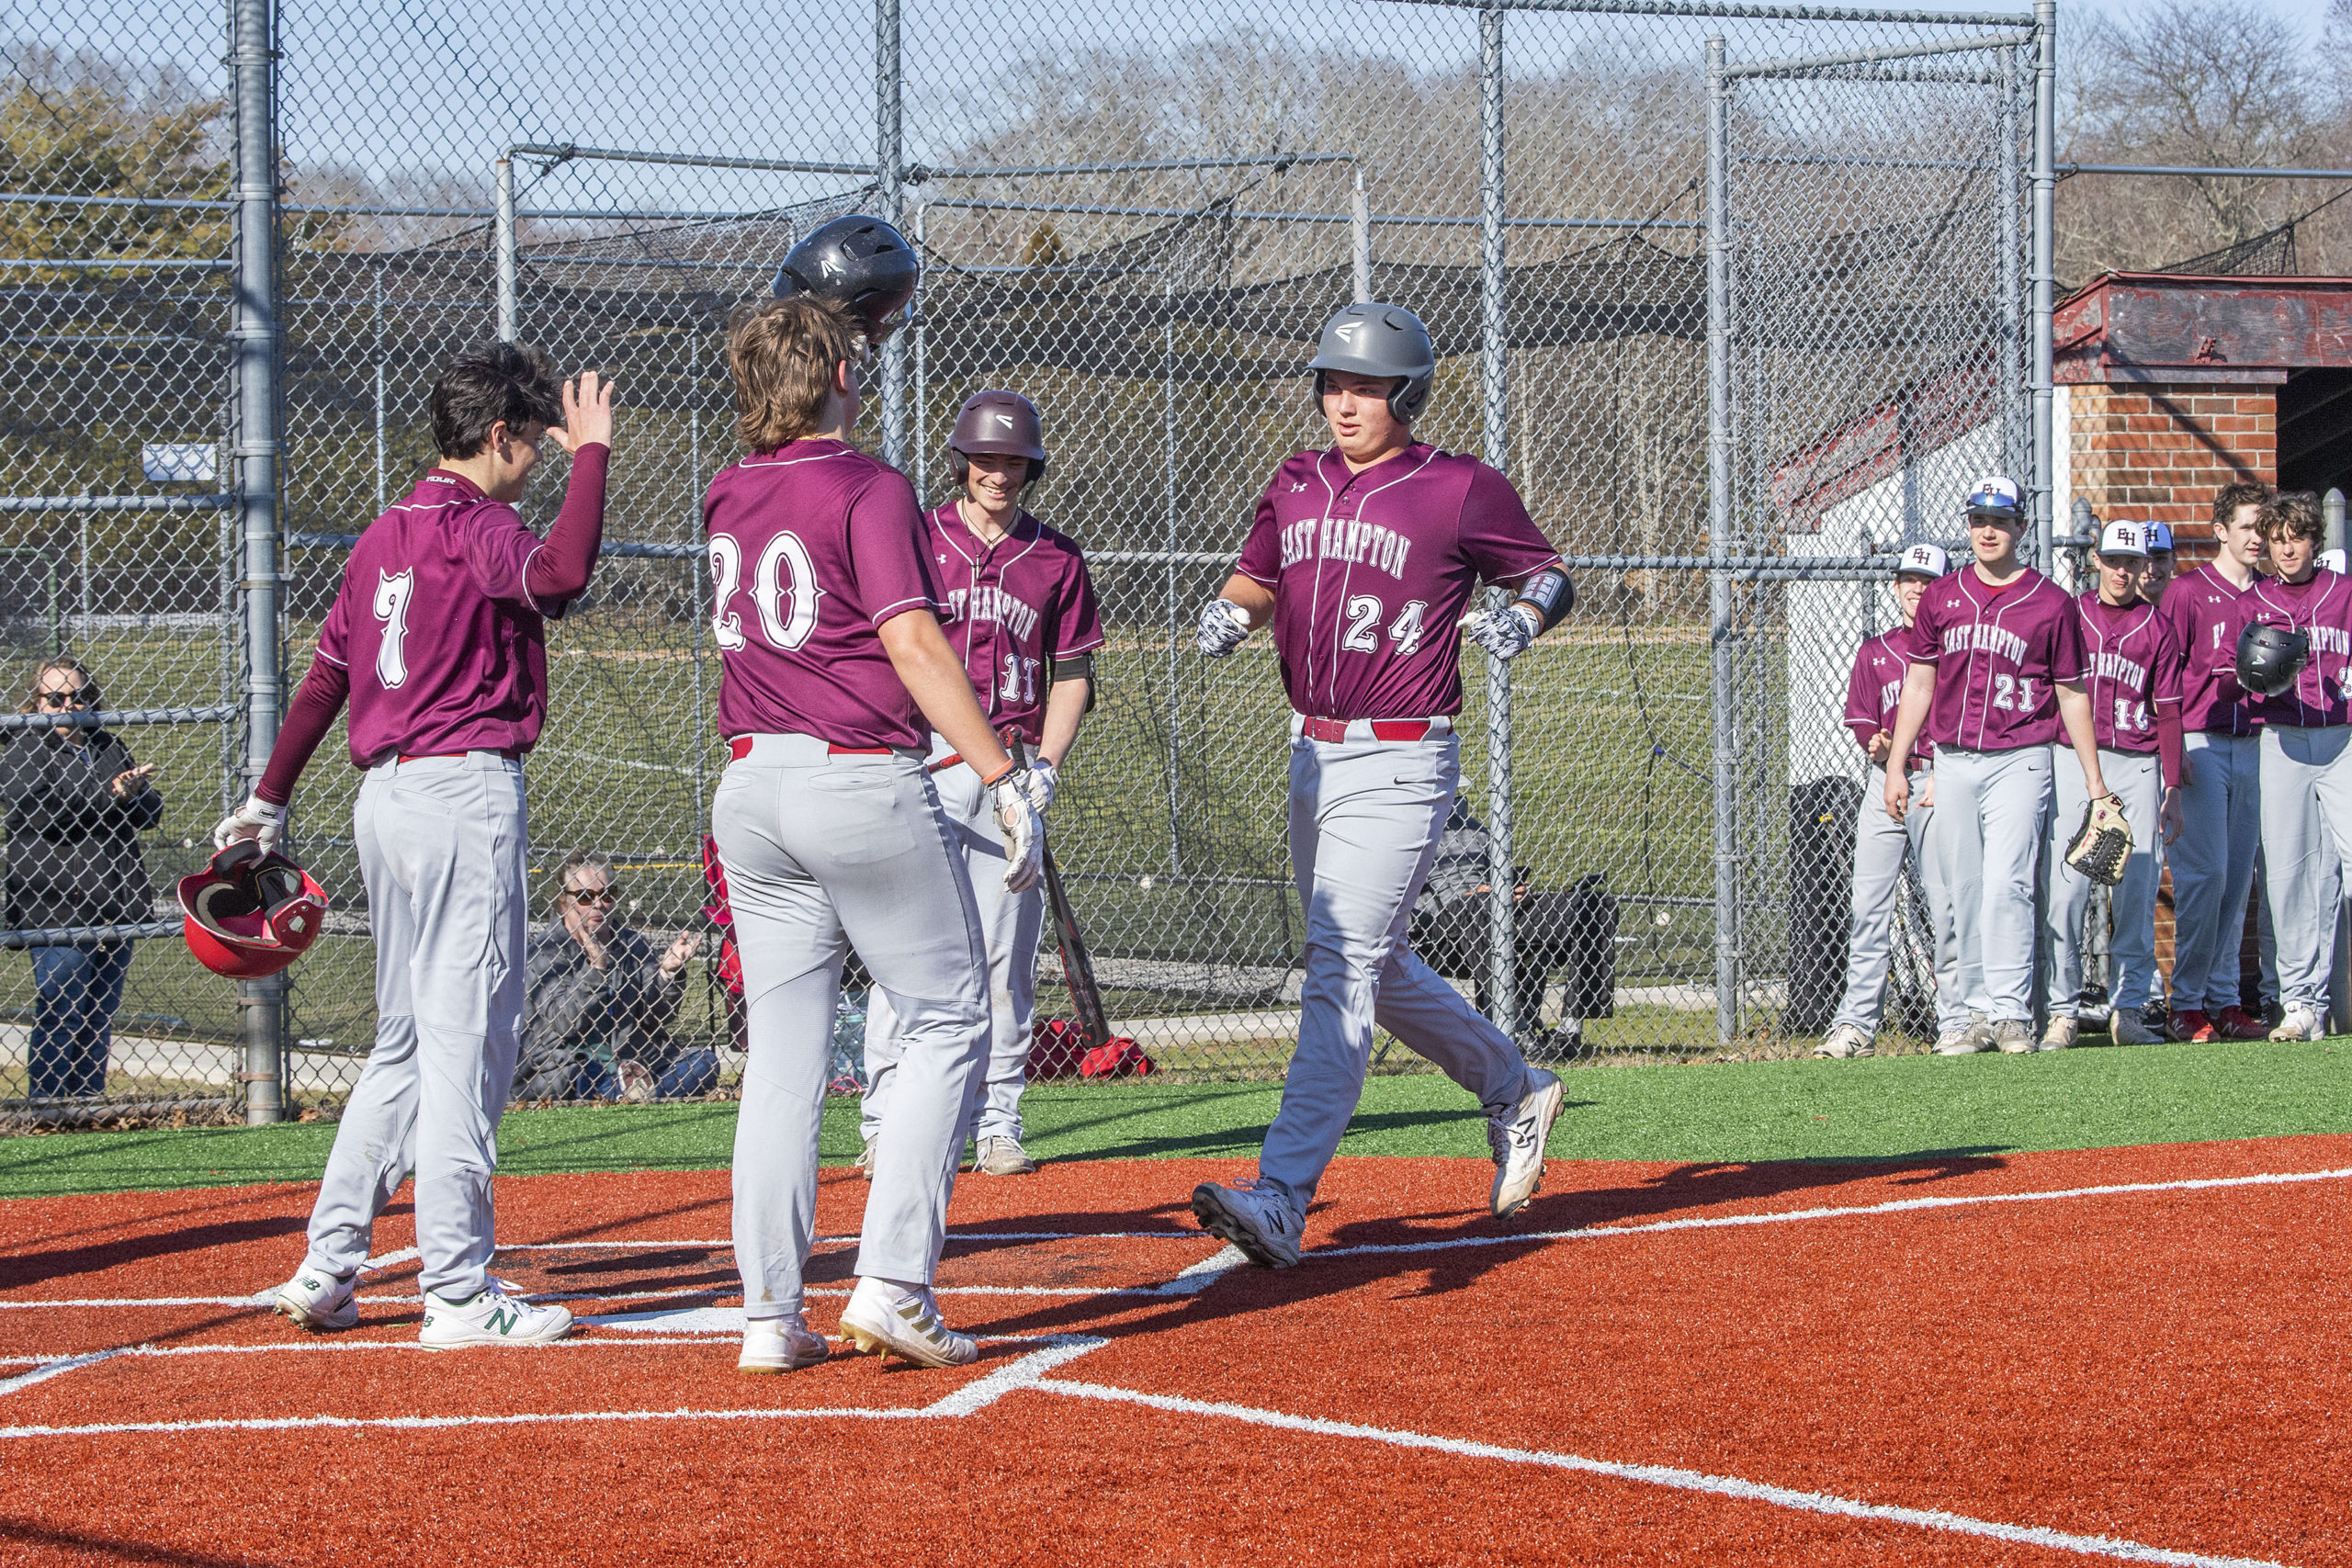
(599, 1003)
(76, 804)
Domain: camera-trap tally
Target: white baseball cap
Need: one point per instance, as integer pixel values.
(2331, 559)
(1996, 496)
(1925, 560)
(2159, 535)
(2123, 538)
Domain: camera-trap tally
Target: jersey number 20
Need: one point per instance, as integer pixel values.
(784, 591)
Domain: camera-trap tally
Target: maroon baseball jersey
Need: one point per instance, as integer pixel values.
(2133, 661)
(1371, 570)
(812, 548)
(444, 645)
(1998, 655)
(1874, 691)
(2320, 607)
(1010, 607)
(2207, 612)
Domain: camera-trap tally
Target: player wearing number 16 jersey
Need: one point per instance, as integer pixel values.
(1363, 558)
(437, 638)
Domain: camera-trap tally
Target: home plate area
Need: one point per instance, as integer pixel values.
(2136, 1355)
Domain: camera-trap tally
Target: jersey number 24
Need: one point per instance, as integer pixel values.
(784, 592)
(1363, 625)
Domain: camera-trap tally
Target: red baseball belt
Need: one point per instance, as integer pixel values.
(741, 747)
(1335, 730)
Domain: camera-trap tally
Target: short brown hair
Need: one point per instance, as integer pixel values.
(486, 384)
(782, 353)
(2229, 498)
(2293, 513)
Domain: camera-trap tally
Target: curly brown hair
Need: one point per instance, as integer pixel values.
(782, 353)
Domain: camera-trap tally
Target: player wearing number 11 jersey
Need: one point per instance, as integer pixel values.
(1365, 557)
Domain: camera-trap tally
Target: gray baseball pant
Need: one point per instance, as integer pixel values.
(1880, 844)
(2212, 867)
(2306, 787)
(1990, 807)
(441, 842)
(822, 852)
(1011, 923)
(2131, 907)
(1364, 820)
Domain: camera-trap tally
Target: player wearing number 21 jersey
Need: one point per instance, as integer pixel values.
(1365, 558)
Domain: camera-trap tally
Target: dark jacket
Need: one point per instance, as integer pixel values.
(74, 855)
(569, 1005)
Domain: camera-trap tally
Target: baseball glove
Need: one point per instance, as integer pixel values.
(2103, 843)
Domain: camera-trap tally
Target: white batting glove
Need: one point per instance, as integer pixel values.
(256, 819)
(1223, 625)
(1504, 633)
(1044, 780)
(1023, 830)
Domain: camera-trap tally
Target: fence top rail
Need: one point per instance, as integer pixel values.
(1873, 56)
(115, 718)
(918, 173)
(161, 203)
(2201, 169)
(116, 503)
(1746, 10)
(1403, 221)
(565, 152)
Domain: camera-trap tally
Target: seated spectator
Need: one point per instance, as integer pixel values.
(76, 806)
(1572, 929)
(598, 1006)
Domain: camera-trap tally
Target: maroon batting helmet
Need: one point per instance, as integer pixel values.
(250, 912)
(1001, 424)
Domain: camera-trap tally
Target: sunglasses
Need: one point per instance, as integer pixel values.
(592, 895)
(77, 699)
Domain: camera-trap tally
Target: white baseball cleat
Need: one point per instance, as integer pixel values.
(866, 1161)
(2299, 1024)
(2059, 1035)
(498, 1316)
(1003, 1156)
(1517, 1140)
(2013, 1035)
(780, 1345)
(1257, 1218)
(316, 1300)
(884, 1320)
(1843, 1041)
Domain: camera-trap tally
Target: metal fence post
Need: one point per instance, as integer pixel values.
(1360, 239)
(1719, 508)
(2045, 270)
(510, 304)
(2011, 285)
(255, 332)
(890, 158)
(1495, 409)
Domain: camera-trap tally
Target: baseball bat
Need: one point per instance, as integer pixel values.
(1078, 969)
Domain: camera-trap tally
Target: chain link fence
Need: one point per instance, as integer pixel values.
(1740, 296)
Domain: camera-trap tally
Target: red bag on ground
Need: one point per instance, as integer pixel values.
(1057, 1049)
(1121, 1058)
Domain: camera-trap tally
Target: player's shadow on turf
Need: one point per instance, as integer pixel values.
(48, 1538)
(1704, 1185)
(34, 1267)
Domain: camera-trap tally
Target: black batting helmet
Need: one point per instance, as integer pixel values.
(859, 262)
(2269, 658)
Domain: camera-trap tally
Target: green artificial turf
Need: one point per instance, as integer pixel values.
(1880, 1108)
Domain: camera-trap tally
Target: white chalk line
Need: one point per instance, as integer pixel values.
(383, 1298)
(1661, 1475)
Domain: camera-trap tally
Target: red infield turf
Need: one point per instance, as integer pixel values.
(2138, 1354)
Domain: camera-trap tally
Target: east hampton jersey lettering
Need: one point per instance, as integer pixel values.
(2134, 670)
(1999, 655)
(1874, 691)
(1372, 570)
(2321, 608)
(2115, 667)
(991, 604)
(1977, 637)
(1015, 606)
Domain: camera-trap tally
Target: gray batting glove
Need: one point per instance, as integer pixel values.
(1023, 830)
(1223, 625)
(256, 819)
(1504, 633)
(1044, 780)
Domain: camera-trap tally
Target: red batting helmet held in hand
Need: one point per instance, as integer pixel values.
(250, 912)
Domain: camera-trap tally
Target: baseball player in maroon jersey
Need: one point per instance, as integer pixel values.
(1365, 558)
(835, 675)
(1874, 695)
(2135, 686)
(2161, 562)
(2213, 861)
(1997, 669)
(437, 641)
(1020, 611)
(2305, 771)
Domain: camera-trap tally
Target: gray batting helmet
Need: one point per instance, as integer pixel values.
(1000, 424)
(2269, 658)
(859, 262)
(1380, 340)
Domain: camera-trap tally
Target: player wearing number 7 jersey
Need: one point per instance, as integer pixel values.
(1997, 672)
(437, 638)
(833, 676)
(1363, 557)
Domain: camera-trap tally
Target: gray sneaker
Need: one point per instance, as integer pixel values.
(866, 1161)
(1844, 1041)
(2059, 1035)
(2014, 1037)
(1003, 1156)
(1256, 1218)
(1965, 1041)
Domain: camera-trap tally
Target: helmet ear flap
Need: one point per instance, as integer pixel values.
(1036, 471)
(1319, 389)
